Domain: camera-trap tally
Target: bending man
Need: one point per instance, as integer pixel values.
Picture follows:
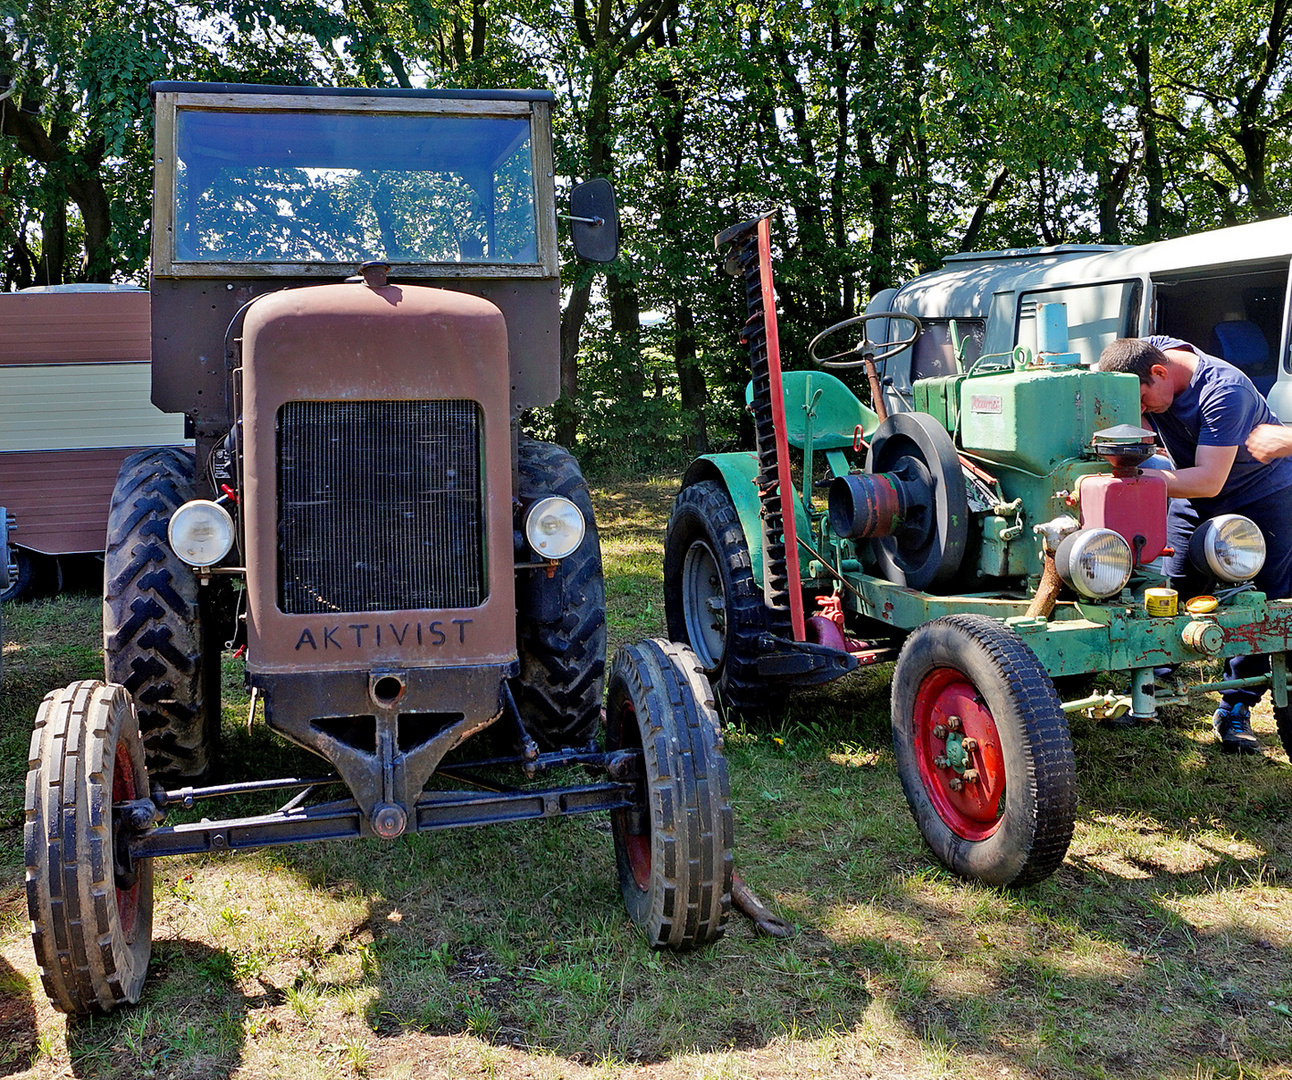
(1204, 410)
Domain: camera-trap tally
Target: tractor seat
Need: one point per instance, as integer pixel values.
(838, 410)
(1242, 344)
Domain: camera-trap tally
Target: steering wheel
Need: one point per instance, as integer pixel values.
(864, 349)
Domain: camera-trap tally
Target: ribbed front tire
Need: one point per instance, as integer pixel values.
(91, 917)
(673, 847)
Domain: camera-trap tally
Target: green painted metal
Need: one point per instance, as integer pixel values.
(1032, 420)
(1081, 638)
(738, 471)
(835, 411)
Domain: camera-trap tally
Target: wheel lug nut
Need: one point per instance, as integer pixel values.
(940, 731)
(941, 763)
(953, 722)
(955, 783)
(970, 744)
(971, 776)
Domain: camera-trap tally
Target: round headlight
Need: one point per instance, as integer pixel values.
(1229, 546)
(1095, 562)
(554, 527)
(200, 532)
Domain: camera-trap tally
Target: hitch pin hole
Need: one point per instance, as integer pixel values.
(386, 689)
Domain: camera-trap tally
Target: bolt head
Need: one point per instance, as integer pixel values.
(940, 731)
(953, 722)
(941, 763)
(970, 744)
(955, 783)
(971, 776)
(389, 821)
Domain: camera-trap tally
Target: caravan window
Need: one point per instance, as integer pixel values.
(1097, 314)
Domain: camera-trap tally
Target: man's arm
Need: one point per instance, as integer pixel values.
(1269, 441)
(1205, 478)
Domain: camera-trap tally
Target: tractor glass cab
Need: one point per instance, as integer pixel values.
(306, 186)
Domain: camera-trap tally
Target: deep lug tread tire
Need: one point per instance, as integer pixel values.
(92, 938)
(674, 854)
(563, 656)
(703, 513)
(159, 642)
(1031, 839)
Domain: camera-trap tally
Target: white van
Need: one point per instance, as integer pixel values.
(1225, 291)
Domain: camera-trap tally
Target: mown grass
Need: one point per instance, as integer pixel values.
(1160, 949)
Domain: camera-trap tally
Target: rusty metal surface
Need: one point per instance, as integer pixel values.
(350, 342)
(385, 753)
(190, 318)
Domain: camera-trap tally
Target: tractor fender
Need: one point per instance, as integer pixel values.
(737, 472)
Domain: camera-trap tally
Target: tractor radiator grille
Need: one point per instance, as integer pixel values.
(381, 506)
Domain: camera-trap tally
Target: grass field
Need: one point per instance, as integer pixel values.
(1162, 948)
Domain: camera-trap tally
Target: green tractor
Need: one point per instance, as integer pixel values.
(996, 539)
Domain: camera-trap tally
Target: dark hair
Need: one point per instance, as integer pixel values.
(1134, 356)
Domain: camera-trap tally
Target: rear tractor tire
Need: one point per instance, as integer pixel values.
(983, 751)
(160, 627)
(560, 620)
(673, 846)
(711, 601)
(91, 916)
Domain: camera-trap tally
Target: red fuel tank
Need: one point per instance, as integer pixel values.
(1132, 506)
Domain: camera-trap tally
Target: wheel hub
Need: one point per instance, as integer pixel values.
(958, 749)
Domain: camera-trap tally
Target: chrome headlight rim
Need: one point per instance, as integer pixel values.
(201, 532)
(1093, 561)
(1216, 541)
(554, 527)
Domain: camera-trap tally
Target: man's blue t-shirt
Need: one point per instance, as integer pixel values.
(1219, 408)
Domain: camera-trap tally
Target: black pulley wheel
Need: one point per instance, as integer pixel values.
(926, 549)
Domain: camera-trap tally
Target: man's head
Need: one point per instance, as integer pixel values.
(1135, 356)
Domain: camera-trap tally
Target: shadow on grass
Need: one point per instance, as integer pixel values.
(188, 1024)
(17, 1022)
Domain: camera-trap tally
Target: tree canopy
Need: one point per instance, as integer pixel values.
(888, 133)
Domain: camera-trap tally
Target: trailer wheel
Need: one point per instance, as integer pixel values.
(159, 627)
(91, 916)
(673, 846)
(38, 575)
(711, 601)
(561, 620)
(983, 751)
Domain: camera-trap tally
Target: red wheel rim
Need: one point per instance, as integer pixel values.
(637, 845)
(948, 711)
(123, 790)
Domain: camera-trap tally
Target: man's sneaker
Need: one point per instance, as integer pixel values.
(1233, 727)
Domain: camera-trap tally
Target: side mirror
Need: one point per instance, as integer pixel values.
(594, 221)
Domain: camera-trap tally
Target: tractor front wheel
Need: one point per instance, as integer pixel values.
(983, 751)
(91, 912)
(673, 845)
(711, 600)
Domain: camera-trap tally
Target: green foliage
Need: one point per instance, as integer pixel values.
(886, 133)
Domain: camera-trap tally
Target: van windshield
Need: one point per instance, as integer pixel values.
(301, 186)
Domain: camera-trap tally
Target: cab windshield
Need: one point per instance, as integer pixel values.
(288, 186)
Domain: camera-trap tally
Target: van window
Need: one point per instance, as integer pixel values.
(934, 354)
(1236, 315)
(1097, 314)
